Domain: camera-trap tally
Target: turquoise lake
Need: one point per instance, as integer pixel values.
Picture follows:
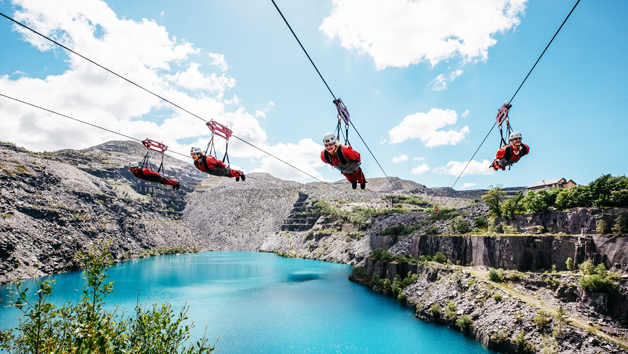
(262, 303)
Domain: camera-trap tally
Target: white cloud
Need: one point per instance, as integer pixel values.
(383, 141)
(468, 185)
(147, 54)
(420, 169)
(219, 60)
(425, 126)
(305, 155)
(465, 113)
(398, 33)
(400, 158)
(419, 158)
(454, 168)
(440, 82)
(162, 13)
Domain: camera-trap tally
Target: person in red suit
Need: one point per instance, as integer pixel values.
(511, 153)
(152, 176)
(343, 158)
(209, 164)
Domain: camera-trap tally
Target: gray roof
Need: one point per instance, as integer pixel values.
(549, 182)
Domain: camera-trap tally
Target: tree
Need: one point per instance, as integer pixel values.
(602, 227)
(493, 199)
(460, 225)
(569, 264)
(512, 206)
(619, 227)
(87, 327)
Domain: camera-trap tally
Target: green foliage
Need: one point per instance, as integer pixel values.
(523, 344)
(602, 227)
(496, 275)
(587, 268)
(569, 263)
(512, 206)
(460, 225)
(541, 319)
(493, 199)
(553, 268)
(399, 200)
(518, 317)
(450, 311)
(309, 235)
(499, 336)
(497, 297)
(440, 258)
(381, 254)
(540, 201)
(480, 222)
(358, 216)
(562, 320)
(432, 230)
(465, 323)
(596, 283)
(619, 227)
(87, 327)
(358, 273)
(435, 310)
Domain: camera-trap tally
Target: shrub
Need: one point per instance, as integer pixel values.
(440, 258)
(587, 268)
(432, 230)
(450, 311)
(309, 235)
(619, 227)
(357, 273)
(480, 222)
(460, 226)
(435, 310)
(496, 275)
(497, 297)
(596, 283)
(562, 319)
(523, 344)
(549, 345)
(518, 317)
(88, 327)
(602, 227)
(569, 264)
(541, 320)
(381, 254)
(553, 268)
(499, 336)
(513, 206)
(465, 323)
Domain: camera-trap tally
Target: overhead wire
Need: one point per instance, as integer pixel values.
(151, 92)
(330, 91)
(519, 88)
(99, 127)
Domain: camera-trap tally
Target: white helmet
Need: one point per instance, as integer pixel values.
(134, 164)
(196, 150)
(329, 138)
(514, 135)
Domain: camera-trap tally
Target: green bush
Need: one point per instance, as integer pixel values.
(87, 327)
(435, 310)
(497, 297)
(440, 258)
(480, 222)
(587, 267)
(450, 311)
(460, 225)
(465, 323)
(496, 275)
(512, 206)
(523, 344)
(358, 273)
(596, 283)
(602, 227)
(541, 320)
(432, 230)
(569, 263)
(381, 254)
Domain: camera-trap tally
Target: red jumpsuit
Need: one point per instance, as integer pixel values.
(507, 156)
(348, 163)
(152, 176)
(211, 165)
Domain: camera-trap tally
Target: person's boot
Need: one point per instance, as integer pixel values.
(176, 186)
(243, 177)
(237, 178)
(363, 185)
(354, 185)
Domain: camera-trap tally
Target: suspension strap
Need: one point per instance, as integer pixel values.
(343, 116)
(222, 131)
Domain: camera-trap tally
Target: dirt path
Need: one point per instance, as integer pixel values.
(575, 320)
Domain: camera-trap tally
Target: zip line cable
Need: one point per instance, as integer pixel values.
(325, 82)
(147, 90)
(99, 127)
(513, 96)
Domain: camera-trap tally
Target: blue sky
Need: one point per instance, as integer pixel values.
(422, 80)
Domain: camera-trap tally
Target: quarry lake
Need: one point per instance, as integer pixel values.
(262, 303)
